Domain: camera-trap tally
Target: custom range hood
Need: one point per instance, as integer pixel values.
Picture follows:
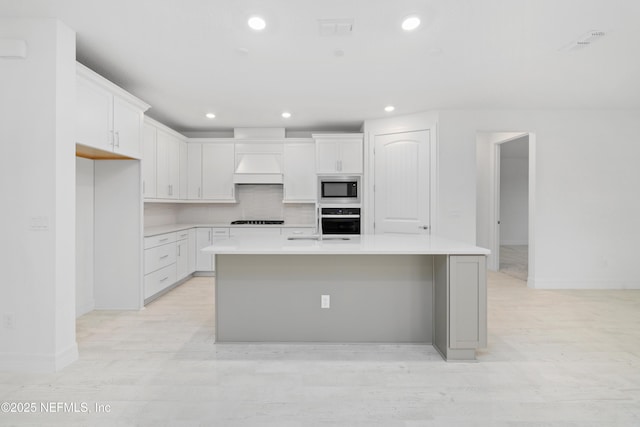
(258, 163)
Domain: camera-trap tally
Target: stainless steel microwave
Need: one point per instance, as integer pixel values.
(339, 189)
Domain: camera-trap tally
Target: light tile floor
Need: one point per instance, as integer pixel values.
(555, 358)
(514, 261)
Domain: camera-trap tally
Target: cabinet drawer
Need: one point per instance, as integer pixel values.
(159, 257)
(220, 232)
(254, 231)
(159, 280)
(182, 234)
(160, 239)
(298, 231)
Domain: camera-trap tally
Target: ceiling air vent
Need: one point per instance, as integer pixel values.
(335, 27)
(584, 40)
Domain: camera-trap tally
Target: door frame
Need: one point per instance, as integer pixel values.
(494, 203)
(369, 178)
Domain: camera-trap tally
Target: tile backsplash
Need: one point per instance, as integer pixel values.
(254, 202)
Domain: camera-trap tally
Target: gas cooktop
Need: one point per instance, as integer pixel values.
(258, 222)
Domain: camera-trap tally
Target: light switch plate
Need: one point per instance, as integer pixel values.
(325, 301)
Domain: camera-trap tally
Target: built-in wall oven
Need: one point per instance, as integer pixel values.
(339, 220)
(338, 189)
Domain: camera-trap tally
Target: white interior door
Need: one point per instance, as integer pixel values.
(402, 187)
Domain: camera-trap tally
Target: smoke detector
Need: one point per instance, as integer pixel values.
(584, 40)
(335, 27)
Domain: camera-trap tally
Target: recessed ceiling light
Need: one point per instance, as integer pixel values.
(389, 108)
(257, 23)
(210, 116)
(286, 114)
(410, 23)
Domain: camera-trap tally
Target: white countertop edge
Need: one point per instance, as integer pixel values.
(363, 245)
(170, 228)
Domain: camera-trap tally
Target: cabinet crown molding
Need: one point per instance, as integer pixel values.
(88, 74)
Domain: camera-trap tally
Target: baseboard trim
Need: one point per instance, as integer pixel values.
(38, 362)
(85, 308)
(582, 284)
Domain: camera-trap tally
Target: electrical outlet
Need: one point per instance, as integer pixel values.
(325, 301)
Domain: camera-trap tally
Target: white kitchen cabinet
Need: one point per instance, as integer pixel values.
(192, 250)
(194, 171)
(300, 182)
(159, 257)
(183, 169)
(298, 231)
(217, 172)
(168, 165)
(205, 237)
(159, 280)
(149, 161)
(210, 168)
(339, 153)
(182, 257)
(160, 263)
(107, 117)
(254, 231)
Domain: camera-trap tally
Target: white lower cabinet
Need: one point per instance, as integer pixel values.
(182, 255)
(298, 231)
(167, 259)
(159, 280)
(253, 231)
(192, 250)
(205, 237)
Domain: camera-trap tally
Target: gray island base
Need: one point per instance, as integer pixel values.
(271, 290)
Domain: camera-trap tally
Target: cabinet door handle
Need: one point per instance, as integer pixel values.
(178, 250)
(118, 139)
(164, 256)
(110, 138)
(162, 280)
(199, 193)
(164, 240)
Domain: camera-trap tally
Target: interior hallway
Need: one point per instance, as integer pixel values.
(554, 358)
(514, 261)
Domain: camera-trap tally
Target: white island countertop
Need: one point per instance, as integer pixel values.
(369, 244)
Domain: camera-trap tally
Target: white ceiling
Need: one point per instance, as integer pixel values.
(190, 57)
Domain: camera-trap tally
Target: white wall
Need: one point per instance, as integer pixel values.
(37, 174)
(586, 204)
(514, 192)
(84, 236)
(254, 202)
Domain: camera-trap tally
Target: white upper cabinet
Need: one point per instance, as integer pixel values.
(149, 133)
(107, 117)
(300, 183)
(183, 169)
(210, 171)
(194, 171)
(217, 172)
(339, 153)
(168, 165)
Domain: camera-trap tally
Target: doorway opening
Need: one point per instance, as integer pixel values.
(505, 201)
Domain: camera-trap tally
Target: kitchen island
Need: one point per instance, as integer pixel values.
(370, 288)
